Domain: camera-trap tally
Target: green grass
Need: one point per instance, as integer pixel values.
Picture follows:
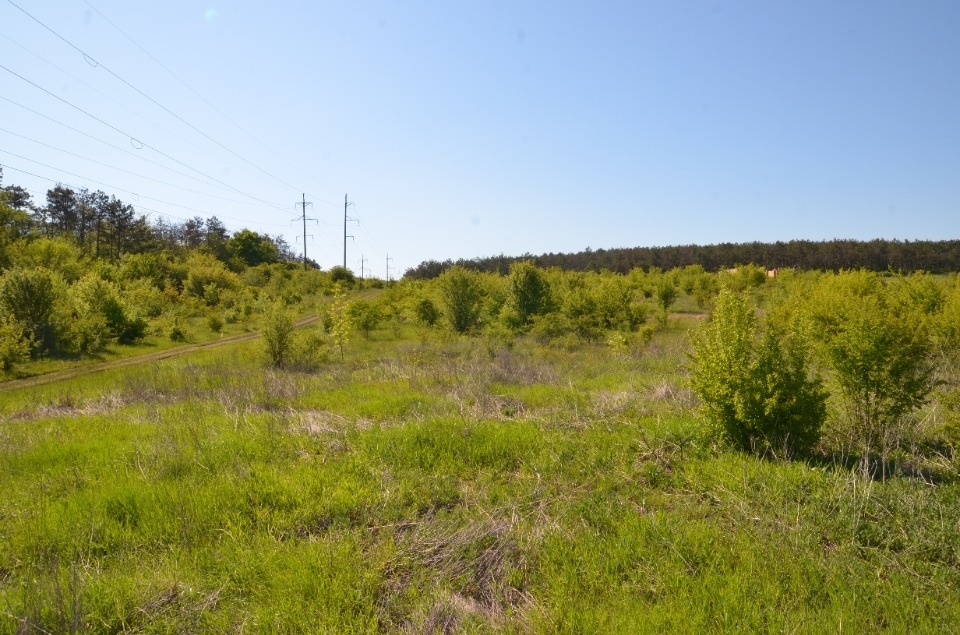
(437, 484)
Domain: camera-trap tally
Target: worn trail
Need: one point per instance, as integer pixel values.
(79, 371)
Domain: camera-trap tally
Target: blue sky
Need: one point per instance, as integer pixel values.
(466, 129)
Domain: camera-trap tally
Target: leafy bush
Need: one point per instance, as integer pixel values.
(14, 345)
(87, 333)
(31, 297)
(309, 350)
(462, 294)
(530, 293)
(276, 328)
(214, 322)
(754, 382)
(339, 319)
(58, 254)
(880, 353)
(549, 327)
(342, 275)
(666, 293)
(426, 311)
(206, 276)
(92, 299)
(365, 316)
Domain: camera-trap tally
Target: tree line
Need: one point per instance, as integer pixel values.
(84, 271)
(938, 256)
(103, 226)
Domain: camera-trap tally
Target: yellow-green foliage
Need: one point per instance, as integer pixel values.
(14, 345)
(875, 339)
(462, 293)
(34, 298)
(754, 381)
(54, 254)
(339, 318)
(530, 293)
(276, 329)
(207, 278)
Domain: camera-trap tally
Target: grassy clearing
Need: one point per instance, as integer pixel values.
(435, 484)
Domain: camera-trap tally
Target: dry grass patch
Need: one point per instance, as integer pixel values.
(475, 571)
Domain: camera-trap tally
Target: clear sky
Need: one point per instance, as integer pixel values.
(473, 128)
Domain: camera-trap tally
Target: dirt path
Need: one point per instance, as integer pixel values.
(79, 371)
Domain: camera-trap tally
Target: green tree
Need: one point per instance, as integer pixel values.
(879, 350)
(530, 293)
(754, 383)
(666, 293)
(31, 297)
(251, 248)
(342, 275)
(462, 295)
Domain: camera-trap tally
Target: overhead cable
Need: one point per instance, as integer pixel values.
(134, 141)
(93, 61)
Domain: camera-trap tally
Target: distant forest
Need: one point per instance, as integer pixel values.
(875, 255)
(104, 227)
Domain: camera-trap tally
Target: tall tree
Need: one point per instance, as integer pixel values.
(192, 234)
(61, 210)
(216, 239)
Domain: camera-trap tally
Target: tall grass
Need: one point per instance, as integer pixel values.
(437, 484)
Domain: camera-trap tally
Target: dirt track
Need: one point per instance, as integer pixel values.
(79, 371)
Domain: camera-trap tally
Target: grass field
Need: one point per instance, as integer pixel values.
(431, 483)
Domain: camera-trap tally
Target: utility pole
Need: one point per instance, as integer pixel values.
(388, 267)
(345, 236)
(362, 260)
(304, 218)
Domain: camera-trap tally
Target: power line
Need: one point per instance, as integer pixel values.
(133, 139)
(345, 236)
(135, 204)
(191, 89)
(95, 62)
(304, 218)
(104, 95)
(108, 185)
(114, 146)
(75, 187)
(113, 167)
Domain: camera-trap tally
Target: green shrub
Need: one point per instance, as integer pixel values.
(462, 295)
(426, 311)
(214, 322)
(14, 345)
(549, 327)
(32, 298)
(339, 319)
(754, 382)
(879, 351)
(309, 350)
(530, 293)
(93, 298)
(88, 333)
(365, 316)
(276, 328)
(343, 276)
(176, 333)
(666, 293)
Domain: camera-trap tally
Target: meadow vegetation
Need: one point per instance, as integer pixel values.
(536, 450)
(541, 451)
